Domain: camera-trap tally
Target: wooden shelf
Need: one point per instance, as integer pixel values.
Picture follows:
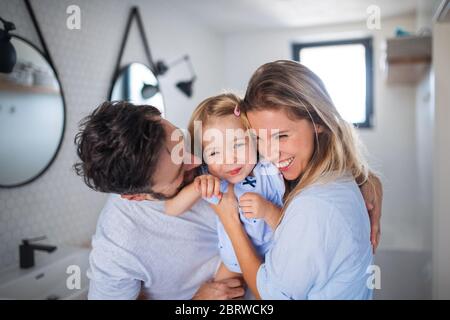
(407, 59)
(7, 86)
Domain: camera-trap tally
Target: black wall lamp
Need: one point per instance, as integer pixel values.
(149, 90)
(8, 56)
(184, 86)
(159, 68)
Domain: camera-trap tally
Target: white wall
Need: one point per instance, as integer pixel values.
(58, 204)
(424, 130)
(425, 153)
(441, 173)
(392, 141)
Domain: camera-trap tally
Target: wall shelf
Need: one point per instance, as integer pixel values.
(8, 86)
(407, 59)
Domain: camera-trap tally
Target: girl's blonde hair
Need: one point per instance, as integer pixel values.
(292, 87)
(221, 105)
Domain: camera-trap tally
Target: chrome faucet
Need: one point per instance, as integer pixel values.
(27, 248)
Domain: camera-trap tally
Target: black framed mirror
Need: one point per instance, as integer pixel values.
(32, 116)
(138, 84)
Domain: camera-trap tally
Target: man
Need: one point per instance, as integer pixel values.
(126, 150)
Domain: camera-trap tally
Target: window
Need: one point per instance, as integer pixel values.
(345, 67)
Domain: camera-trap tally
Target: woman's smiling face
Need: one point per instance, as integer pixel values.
(288, 143)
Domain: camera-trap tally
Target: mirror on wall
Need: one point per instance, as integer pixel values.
(138, 84)
(32, 116)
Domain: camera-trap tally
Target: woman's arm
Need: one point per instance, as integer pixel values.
(249, 261)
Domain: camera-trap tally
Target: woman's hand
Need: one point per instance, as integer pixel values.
(227, 209)
(372, 192)
(207, 186)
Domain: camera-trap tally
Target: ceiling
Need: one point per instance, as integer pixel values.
(226, 16)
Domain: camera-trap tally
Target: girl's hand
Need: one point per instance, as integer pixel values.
(227, 209)
(207, 186)
(253, 205)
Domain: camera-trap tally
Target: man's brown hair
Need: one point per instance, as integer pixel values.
(119, 145)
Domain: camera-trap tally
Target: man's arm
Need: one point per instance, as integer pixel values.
(372, 191)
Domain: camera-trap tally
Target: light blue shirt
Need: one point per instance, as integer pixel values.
(266, 181)
(322, 248)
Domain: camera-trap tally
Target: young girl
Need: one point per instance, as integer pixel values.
(230, 157)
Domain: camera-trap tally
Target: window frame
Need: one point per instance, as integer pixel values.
(368, 45)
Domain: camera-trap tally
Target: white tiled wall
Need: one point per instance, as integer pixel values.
(58, 204)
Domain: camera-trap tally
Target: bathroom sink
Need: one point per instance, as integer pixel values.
(54, 277)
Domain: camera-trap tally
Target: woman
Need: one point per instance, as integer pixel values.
(322, 244)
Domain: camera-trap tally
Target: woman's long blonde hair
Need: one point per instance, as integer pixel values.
(290, 86)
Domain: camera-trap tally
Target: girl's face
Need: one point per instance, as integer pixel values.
(287, 143)
(227, 149)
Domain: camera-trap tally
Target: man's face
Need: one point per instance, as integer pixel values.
(171, 175)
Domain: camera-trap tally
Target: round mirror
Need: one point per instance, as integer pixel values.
(32, 116)
(137, 83)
